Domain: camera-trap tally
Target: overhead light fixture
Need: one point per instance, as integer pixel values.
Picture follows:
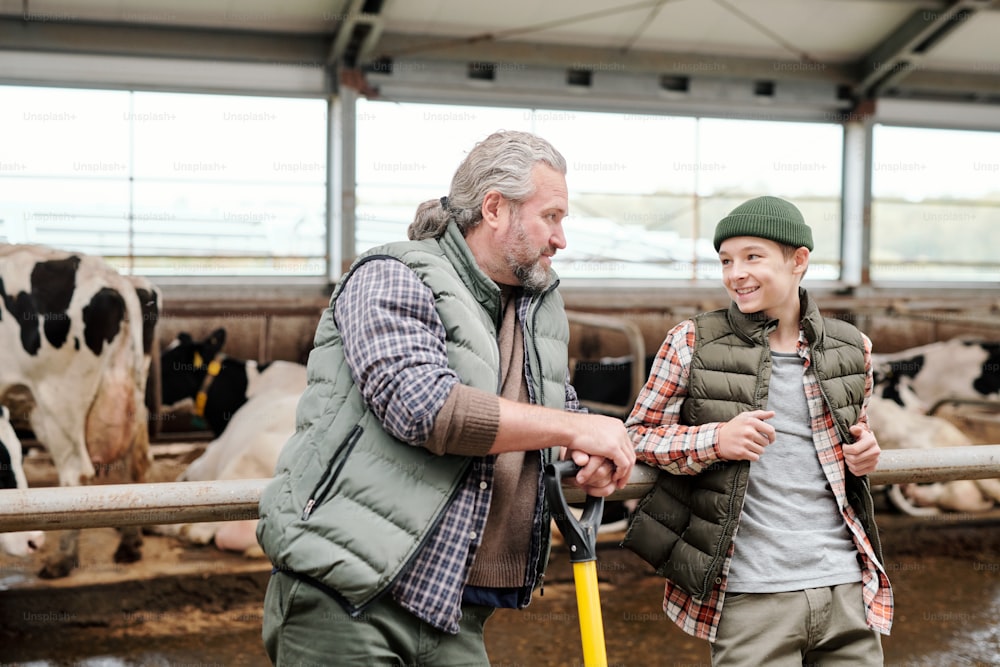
(580, 77)
(675, 83)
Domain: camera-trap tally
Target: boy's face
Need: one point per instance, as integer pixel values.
(757, 276)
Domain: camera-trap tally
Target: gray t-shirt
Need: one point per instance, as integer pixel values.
(791, 535)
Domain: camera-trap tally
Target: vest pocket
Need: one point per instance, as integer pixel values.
(332, 471)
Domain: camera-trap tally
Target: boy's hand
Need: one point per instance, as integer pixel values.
(862, 455)
(744, 437)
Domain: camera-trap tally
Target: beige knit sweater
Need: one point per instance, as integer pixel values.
(467, 425)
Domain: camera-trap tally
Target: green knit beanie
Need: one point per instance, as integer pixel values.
(767, 218)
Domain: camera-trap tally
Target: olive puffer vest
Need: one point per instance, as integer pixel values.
(350, 505)
(684, 526)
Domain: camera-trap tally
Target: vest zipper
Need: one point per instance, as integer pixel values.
(546, 454)
(330, 474)
(743, 471)
(358, 610)
(866, 509)
(533, 313)
(765, 360)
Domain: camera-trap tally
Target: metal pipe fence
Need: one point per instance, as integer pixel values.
(56, 508)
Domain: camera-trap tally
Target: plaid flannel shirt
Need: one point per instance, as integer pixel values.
(662, 441)
(394, 343)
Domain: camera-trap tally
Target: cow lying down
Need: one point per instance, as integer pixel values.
(247, 448)
(919, 377)
(899, 428)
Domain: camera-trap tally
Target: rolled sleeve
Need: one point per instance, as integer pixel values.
(467, 424)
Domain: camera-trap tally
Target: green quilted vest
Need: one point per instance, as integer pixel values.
(372, 499)
(685, 525)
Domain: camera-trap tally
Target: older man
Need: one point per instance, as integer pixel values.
(409, 504)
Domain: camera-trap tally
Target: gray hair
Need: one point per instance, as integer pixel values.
(503, 162)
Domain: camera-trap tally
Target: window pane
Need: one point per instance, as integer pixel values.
(166, 183)
(220, 138)
(64, 168)
(645, 191)
(935, 205)
(83, 214)
(64, 132)
(236, 182)
(222, 228)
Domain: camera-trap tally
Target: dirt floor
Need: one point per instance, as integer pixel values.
(174, 589)
(184, 605)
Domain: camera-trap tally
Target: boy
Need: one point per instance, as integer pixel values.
(757, 416)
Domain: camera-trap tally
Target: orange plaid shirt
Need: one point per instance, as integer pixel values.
(662, 441)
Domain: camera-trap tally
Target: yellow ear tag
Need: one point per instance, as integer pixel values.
(199, 403)
(198, 361)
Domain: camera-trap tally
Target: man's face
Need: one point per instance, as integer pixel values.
(535, 232)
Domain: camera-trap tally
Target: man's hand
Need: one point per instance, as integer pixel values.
(600, 482)
(863, 454)
(597, 443)
(745, 436)
(604, 452)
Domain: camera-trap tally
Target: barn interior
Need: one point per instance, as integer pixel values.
(879, 117)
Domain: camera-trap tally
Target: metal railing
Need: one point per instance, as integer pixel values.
(55, 508)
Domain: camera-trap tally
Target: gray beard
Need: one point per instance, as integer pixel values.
(534, 278)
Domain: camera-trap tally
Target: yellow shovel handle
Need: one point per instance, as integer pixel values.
(588, 602)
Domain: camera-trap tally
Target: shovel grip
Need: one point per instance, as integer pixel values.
(580, 534)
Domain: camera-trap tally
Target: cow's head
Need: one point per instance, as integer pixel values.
(12, 477)
(894, 380)
(184, 364)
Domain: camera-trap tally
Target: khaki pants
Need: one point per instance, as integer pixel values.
(819, 626)
(303, 626)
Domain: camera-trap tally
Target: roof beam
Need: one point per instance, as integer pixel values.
(632, 92)
(163, 42)
(519, 55)
(358, 33)
(84, 70)
(982, 86)
(898, 54)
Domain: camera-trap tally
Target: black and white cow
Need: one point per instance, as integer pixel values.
(197, 375)
(12, 477)
(72, 332)
(921, 376)
(250, 435)
(898, 427)
(911, 382)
